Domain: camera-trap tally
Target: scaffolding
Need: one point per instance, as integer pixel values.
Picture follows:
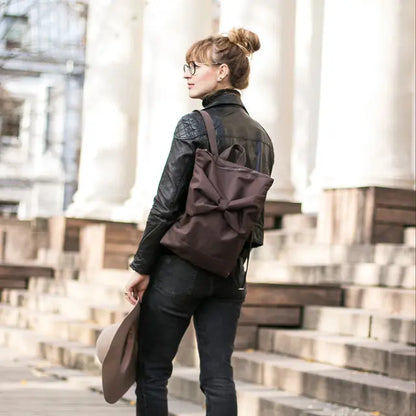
(37, 37)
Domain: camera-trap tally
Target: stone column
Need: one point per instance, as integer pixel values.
(48, 170)
(169, 28)
(110, 107)
(308, 53)
(366, 121)
(269, 97)
(72, 134)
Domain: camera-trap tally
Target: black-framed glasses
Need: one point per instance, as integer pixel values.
(191, 67)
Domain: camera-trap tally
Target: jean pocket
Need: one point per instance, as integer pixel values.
(174, 276)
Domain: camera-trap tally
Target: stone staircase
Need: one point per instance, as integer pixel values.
(358, 359)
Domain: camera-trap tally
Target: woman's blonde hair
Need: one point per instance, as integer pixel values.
(233, 49)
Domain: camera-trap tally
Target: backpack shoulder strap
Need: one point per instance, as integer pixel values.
(212, 136)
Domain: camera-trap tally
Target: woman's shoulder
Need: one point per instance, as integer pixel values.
(190, 126)
(259, 129)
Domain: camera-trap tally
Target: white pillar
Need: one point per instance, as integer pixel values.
(308, 53)
(269, 97)
(170, 27)
(110, 106)
(366, 123)
(72, 134)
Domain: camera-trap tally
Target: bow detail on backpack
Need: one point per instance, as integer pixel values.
(210, 199)
(205, 195)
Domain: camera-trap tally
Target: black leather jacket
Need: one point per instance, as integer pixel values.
(233, 125)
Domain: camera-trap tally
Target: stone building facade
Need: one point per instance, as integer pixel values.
(41, 80)
(333, 84)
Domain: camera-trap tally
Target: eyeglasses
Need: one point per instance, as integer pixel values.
(192, 67)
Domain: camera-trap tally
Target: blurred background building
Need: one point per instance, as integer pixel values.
(42, 55)
(333, 84)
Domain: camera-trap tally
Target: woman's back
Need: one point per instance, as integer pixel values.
(173, 290)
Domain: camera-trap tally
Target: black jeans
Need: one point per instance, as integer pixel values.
(178, 291)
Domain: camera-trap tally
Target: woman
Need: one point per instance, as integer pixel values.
(172, 290)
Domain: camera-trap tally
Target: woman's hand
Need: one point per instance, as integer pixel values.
(136, 287)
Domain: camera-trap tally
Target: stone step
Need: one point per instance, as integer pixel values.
(371, 392)
(177, 407)
(252, 398)
(393, 359)
(410, 236)
(14, 297)
(86, 331)
(89, 292)
(280, 304)
(277, 239)
(108, 314)
(366, 274)
(270, 271)
(388, 300)
(58, 258)
(44, 302)
(25, 269)
(360, 323)
(16, 275)
(393, 328)
(50, 325)
(102, 314)
(66, 353)
(371, 274)
(312, 254)
(399, 254)
(109, 277)
(388, 358)
(299, 222)
(256, 400)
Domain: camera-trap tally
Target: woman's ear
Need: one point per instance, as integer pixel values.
(223, 72)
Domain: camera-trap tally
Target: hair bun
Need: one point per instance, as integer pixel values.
(247, 40)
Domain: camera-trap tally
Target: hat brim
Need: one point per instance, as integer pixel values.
(117, 349)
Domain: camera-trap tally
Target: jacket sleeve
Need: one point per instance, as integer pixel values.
(169, 202)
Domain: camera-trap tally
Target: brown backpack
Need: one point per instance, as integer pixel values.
(224, 201)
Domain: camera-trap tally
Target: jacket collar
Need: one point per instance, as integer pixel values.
(223, 97)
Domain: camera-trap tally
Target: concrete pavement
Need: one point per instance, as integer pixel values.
(30, 386)
(27, 388)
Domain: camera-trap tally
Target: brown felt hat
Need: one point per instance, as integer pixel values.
(116, 349)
